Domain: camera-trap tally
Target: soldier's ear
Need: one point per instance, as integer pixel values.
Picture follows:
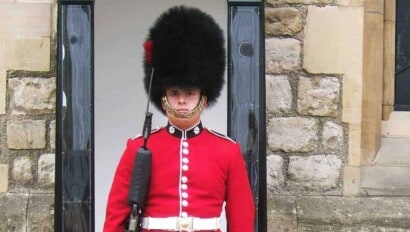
(205, 99)
(162, 106)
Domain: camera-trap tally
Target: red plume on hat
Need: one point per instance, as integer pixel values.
(148, 51)
(186, 47)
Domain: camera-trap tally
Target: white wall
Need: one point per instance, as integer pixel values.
(120, 101)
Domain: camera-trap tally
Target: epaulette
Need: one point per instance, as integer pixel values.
(220, 135)
(153, 131)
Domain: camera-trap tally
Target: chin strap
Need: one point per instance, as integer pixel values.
(177, 114)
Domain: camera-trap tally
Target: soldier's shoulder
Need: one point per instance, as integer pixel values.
(153, 131)
(220, 135)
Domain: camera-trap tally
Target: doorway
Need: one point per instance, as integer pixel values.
(120, 100)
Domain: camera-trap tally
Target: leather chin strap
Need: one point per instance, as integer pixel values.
(177, 114)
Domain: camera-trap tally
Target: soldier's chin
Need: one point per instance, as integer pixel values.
(183, 112)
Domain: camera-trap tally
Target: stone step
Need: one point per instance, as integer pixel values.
(398, 125)
(391, 212)
(390, 176)
(394, 152)
(338, 214)
(385, 180)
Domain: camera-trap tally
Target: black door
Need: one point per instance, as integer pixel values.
(246, 98)
(74, 188)
(402, 71)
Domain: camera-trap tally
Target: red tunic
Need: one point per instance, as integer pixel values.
(193, 173)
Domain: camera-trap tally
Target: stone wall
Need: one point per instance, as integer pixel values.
(317, 54)
(27, 115)
(306, 136)
(314, 88)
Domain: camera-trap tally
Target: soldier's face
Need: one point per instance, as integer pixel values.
(183, 100)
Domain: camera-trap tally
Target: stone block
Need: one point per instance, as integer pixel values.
(28, 53)
(348, 228)
(292, 134)
(318, 96)
(23, 170)
(373, 57)
(398, 125)
(394, 152)
(390, 11)
(26, 134)
(389, 59)
(4, 41)
(37, 1)
(349, 211)
(332, 136)
(274, 173)
(52, 133)
(282, 214)
(40, 213)
(371, 135)
(351, 181)
(374, 6)
(32, 95)
(4, 178)
(25, 19)
(385, 180)
(282, 55)
(3, 89)
(352, 98)
(333, 41)
(278, 94)
(13, 210)
(317, 172)
(298, 1)
(355, 145)
(46, 170)
(350, 2)
(282, 21)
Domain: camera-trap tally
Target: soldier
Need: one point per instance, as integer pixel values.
(194, 169)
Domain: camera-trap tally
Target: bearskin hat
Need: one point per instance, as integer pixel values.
(185, 46)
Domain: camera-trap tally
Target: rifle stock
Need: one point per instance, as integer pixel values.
(139, 186)
(133, 223)
(141, 173)
(140, 179)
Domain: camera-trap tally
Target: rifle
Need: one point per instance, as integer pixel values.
(141, 173)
